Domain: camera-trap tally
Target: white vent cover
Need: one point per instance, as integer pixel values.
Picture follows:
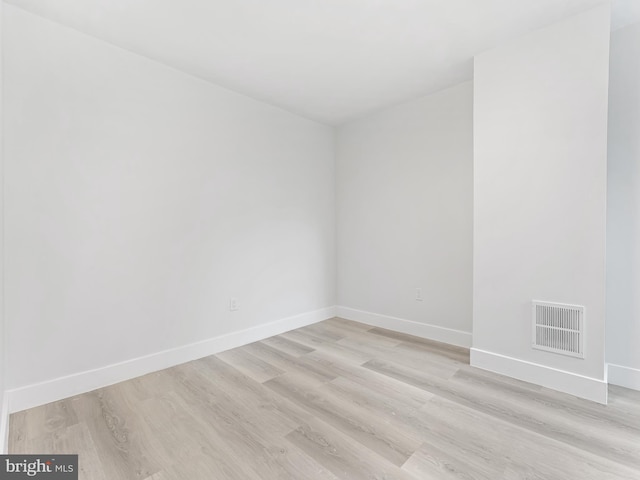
(558, 328)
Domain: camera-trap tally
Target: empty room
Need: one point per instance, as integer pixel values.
(328, 239)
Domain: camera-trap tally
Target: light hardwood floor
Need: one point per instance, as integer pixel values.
(336, 400)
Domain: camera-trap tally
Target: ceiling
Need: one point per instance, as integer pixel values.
(328, 60)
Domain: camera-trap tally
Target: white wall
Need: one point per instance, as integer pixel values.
(4, 431)
(540, 159)
(623, 210)
(404, 191)
(139, 199)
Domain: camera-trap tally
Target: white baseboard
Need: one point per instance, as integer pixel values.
(424, 330)
(567, 382)
(82, 382)
(624, 376)
(4, 424)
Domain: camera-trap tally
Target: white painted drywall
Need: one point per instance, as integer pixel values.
(331, 60)
(3, 418)
(540, 160)
(404, 192)
(623, 203)
(139, 199)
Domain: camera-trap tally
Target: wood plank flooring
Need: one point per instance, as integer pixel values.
(336, 400)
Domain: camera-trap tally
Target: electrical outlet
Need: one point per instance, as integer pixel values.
(419, 295)
(234, 304)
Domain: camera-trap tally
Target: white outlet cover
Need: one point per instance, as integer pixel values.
(233, 304)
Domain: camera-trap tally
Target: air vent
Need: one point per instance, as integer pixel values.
(558, 328)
